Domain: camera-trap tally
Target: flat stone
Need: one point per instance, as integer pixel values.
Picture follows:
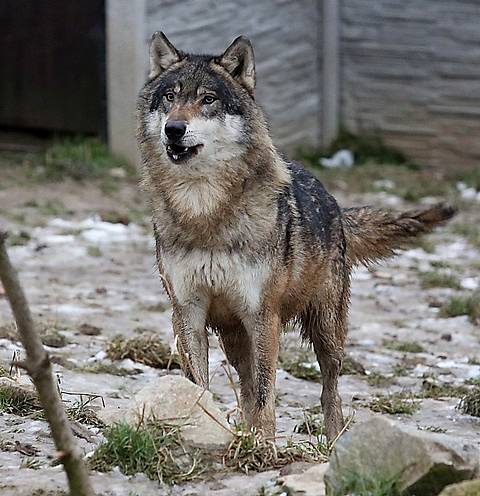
(308, 483)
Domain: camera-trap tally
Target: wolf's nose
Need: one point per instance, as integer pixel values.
(175, 129)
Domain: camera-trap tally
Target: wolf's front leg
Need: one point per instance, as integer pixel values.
(266, 338)
(189, 328)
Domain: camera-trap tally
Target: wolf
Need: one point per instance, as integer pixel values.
(246, 240)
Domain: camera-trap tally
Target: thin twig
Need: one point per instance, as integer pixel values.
(39, 368)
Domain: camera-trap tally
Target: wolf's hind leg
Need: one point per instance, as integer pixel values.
(324, 325)
(238, 348)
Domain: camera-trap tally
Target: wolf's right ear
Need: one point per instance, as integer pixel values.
(162, 54)
(239, 61)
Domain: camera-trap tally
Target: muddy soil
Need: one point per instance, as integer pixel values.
(79, 269)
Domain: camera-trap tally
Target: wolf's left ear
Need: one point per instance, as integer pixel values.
(162, 54)
(239, 61)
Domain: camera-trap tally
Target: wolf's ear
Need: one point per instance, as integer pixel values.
(162, 54)
(239, 61)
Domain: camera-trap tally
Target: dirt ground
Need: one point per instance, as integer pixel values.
(79, 269)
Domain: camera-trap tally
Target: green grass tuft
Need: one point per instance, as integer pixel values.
(80, 158)
(306, 371)
(81, 412)
(52, 337)
(437, 390)
(403, 346)
(395, 403)
(106, 368)
(366, 148)
(438, 280)
(470, 231)
(17, 400)
(470, 403)
(358, 485)
(311, 425)
(376, 379)
(153, 448)
(146, 348)
(251, 451)
(463, 305)
(471, 177)
(350, 366)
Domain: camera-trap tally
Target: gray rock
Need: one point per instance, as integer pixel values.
(467, 488)
(177, 400)
(379, 450)
(308, 483)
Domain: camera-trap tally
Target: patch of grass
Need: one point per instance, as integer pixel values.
(470, 403)
(395, 403)
(106, 368)
(440, 264)
(17, 400)
(94, 251)
(376, 379)
(471, 177)
(435, 390)
(31, 463)
(469, 231)
(81, 412)
(305, 371)
(301, 364)
(19, 238)
(251, 451)
(351, 366)
(148, 349)
(52, 337)
(366, 148)
(81, 158)
(463, 305)
(438, 280)
(403, 346)
(54, 208)
(473, 382)
(153, 448)
(311, 425)
(423, 242)
(358, 485)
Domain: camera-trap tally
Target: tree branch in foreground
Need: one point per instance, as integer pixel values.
(39, 368)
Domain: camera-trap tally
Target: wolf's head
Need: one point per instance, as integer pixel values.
(197, 111)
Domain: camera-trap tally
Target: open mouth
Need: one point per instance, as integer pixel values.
(178, 153)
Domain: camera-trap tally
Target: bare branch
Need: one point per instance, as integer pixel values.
(39, 368)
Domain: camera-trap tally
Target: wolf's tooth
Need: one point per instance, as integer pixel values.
(175, 157)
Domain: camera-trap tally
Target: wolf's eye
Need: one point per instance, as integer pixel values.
(208, 99)
(169, 96)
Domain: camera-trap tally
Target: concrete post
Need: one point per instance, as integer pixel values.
(330, 71)
(126, 70)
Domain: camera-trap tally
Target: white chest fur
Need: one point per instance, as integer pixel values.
(197, 272)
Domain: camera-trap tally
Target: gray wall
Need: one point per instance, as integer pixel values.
(411, 70)
(285, 36)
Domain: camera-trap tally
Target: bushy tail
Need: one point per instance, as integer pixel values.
(373, 234)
